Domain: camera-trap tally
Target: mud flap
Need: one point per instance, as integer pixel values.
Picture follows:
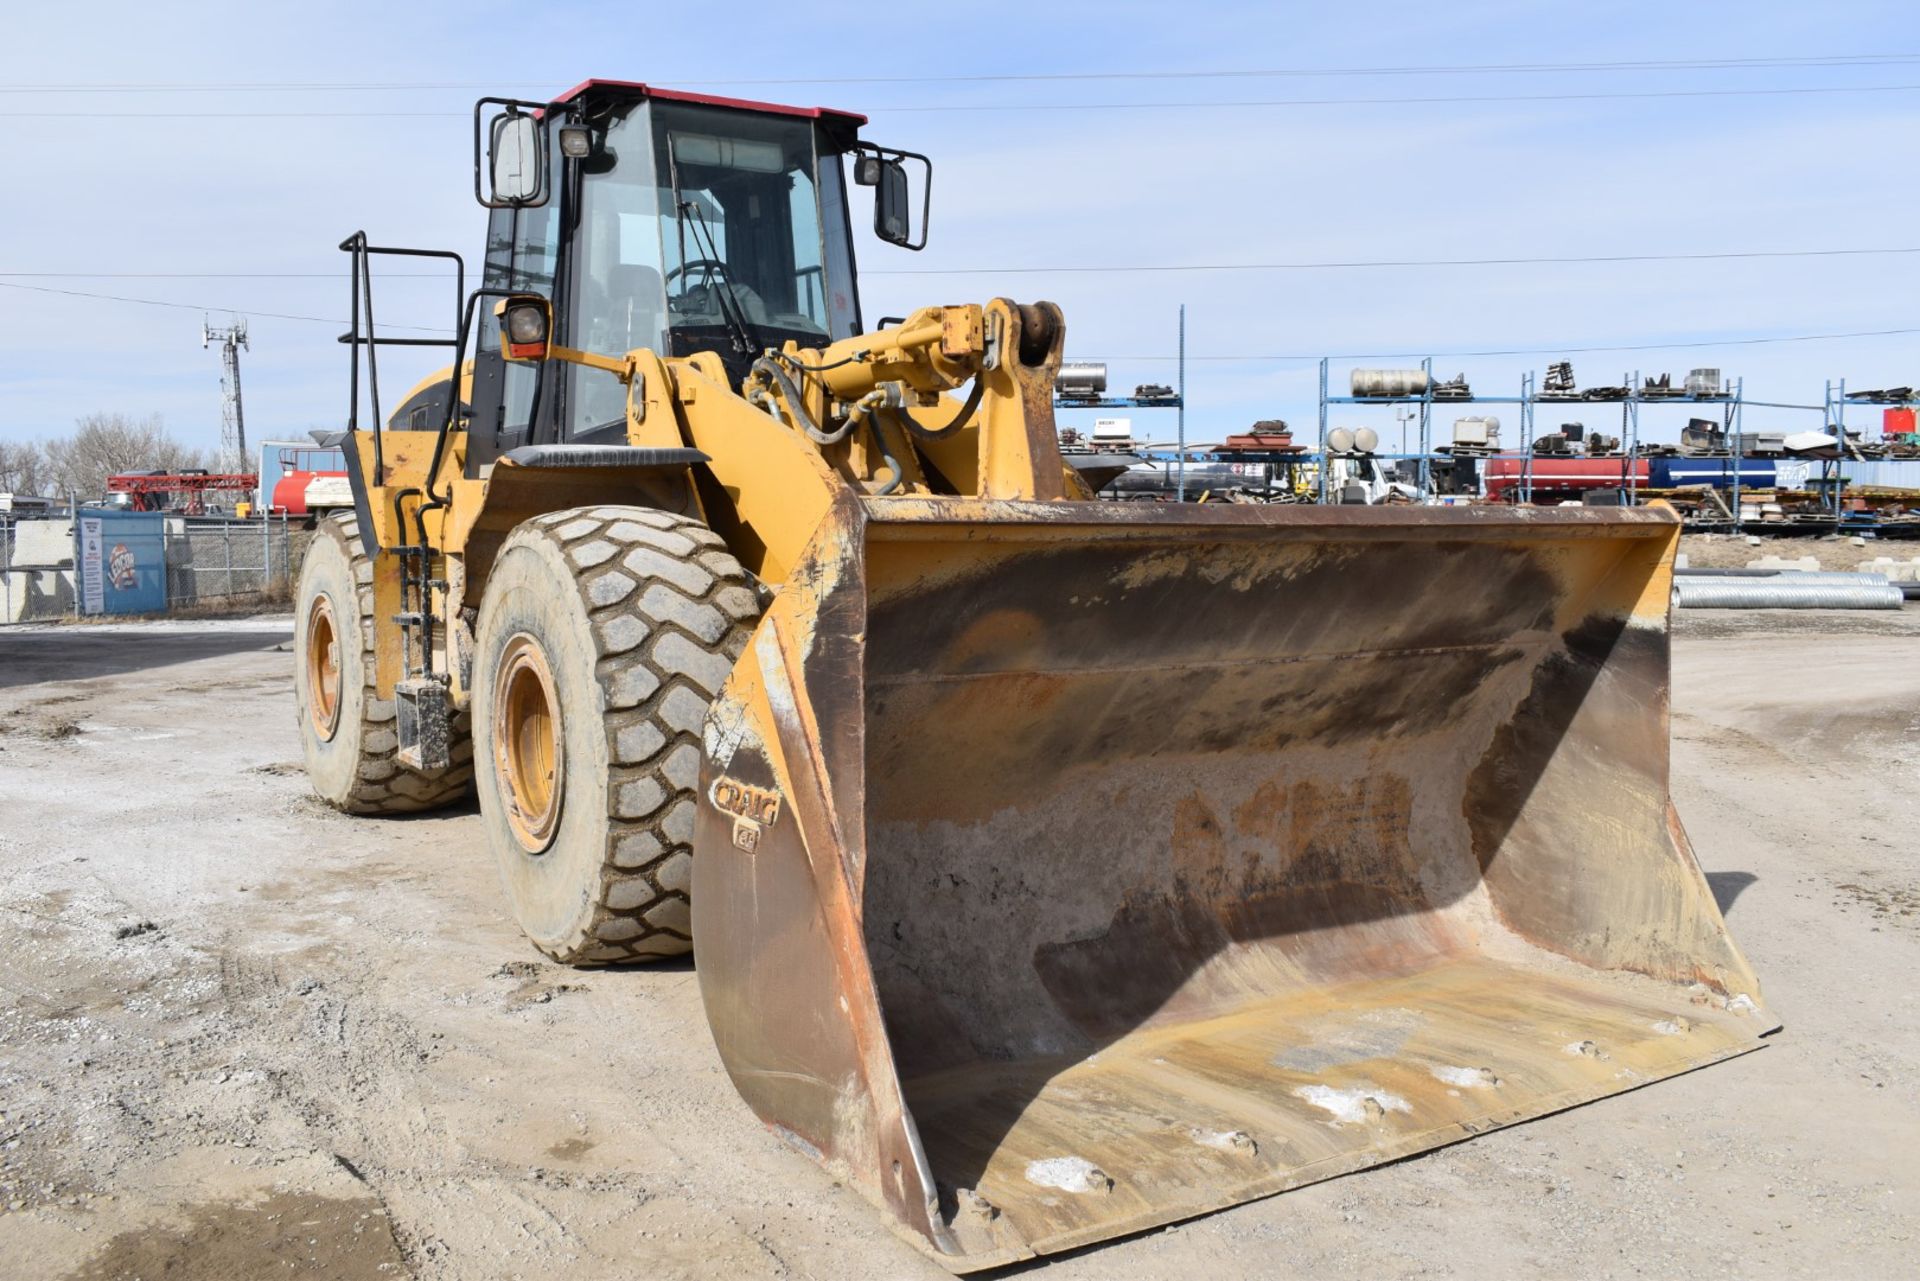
(1065, 869)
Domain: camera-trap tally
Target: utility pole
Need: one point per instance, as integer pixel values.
(1180, 494)
(233, 423)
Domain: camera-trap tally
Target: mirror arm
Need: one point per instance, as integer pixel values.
(483, 150)
(895, 156)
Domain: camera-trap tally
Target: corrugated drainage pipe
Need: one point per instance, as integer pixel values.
(1788, 591)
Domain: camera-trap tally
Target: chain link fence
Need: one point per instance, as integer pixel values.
(210, 559)
(36, 568)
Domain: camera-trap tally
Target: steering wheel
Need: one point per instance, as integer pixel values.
(711, 266)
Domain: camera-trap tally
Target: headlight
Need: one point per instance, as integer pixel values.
(527, 323)
(576, 141)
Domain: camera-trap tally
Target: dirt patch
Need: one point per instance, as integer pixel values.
(1808, 623)
(571, 1149)
(48, 729)
(1889, 904)
(1835, 554)
(284, 1235)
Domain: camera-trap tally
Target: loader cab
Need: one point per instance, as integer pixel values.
(671, 222)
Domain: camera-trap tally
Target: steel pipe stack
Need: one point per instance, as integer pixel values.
(1786, 591)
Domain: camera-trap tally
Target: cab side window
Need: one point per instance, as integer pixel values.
(520, 254)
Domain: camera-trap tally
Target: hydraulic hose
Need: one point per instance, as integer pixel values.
(894, 471)
(966, 412)
(798, 406)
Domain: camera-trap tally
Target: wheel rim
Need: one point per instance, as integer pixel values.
(323, 668)
(526, 743)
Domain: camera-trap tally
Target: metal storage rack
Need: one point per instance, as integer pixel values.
(1833, 479)
(1425, 454)
(1176, 402)
(1730, 401)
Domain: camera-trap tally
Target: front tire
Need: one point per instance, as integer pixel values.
(605, 633)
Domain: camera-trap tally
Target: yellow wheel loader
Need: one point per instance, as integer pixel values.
(1058, 868)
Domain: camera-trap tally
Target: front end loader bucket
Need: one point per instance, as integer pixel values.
(1066, 869)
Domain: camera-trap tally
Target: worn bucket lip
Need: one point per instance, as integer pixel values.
(1443, 1136)
(888, 514)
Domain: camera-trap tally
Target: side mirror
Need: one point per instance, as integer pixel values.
(511, 171)
(518, 174)
(895, 219)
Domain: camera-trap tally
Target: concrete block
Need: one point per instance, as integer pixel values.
(1897, 571)
(42, 544)
(1808, 564)
(28, 595)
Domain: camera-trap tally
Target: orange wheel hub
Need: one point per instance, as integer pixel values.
(323, 668)
(526, 743)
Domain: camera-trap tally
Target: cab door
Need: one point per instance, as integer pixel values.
(522, 254)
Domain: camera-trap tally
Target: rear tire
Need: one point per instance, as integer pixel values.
(347, 732)
(605, 633)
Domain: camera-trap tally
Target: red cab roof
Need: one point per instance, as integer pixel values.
(637, 89)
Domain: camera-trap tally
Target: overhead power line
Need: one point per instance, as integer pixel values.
(1138, 105)
(1379, 263)
(1074, 269)
(1561, 349)
(1425, 101)
(1842, 60)
(344, 274)
(1558, 350)
(205, 307)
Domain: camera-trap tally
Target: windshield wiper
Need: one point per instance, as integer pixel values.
(738, 326)
(745, 334)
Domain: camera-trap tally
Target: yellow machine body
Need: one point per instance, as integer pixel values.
(1064, 867)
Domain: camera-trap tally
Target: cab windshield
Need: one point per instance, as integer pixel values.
(704, 229)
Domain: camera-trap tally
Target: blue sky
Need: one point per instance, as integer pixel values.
(220, 189)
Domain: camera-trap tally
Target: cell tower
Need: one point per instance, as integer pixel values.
(233, 423)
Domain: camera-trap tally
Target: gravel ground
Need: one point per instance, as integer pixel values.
(242, 1036)
(1835, 554)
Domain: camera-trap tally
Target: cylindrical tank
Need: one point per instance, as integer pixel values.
(1081, 380)
(1560, 475)
(1366, 439)
(1389, 382)
(290, 492)
(1340, 440)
